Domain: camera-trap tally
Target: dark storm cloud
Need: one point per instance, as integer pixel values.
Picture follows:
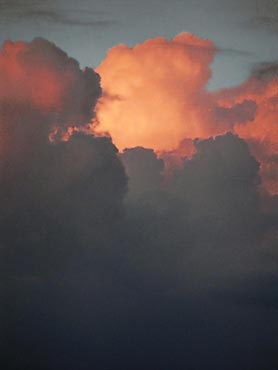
(49, 189)
(164, 280)
(46, 11)
(203, 212)
(57, 201)
(61, 201)
(144, 170)
(197, 243)
(220, 180)
(151, 288)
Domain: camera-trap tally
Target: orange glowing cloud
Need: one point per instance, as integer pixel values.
(155, 95)
(41, 77)
(261, 133)
(22, 81)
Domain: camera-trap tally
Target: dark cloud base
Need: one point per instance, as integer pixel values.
(104, 265)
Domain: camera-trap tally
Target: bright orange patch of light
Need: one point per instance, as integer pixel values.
(151, 92)
(155, 96)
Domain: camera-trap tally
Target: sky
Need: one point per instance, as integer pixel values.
(244, 31)
(138, 185)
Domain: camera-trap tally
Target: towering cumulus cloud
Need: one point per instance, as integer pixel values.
(155, 95)
(43, 182)
(152, 92)
(105, 262)
(39, 77)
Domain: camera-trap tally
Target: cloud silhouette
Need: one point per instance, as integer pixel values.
(109, 260)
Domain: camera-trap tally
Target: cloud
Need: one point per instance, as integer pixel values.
(143, 169)
(266, 16)
(238, 113)
(265, 71)
(41, 79)
(161, 86)
(234, 52)
(260, 132)
(202, 211)
(58, 198)
(61, 199)
(198, 251)
(100, 254)
(218, 188)
(162, 99)
(44, 11)
(79, 179)
(268, 23)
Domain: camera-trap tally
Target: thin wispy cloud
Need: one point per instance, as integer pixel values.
(47, 12)
(266, 16)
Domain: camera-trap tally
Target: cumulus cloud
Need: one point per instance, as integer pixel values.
(194, 242)
(54, 194)
(221, 173)
(210, 199)
(155, 96)
(159, 83)
(56, 199)
(40, 77)
(260, 132)
(144, 170)
(149, 280)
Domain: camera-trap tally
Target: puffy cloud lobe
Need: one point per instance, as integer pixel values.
(154, 92)
(158, 96)
(72, 189)
(41, 76)
(155, 96)
(201, 237)
(220, 182)
(202, 211)
(260, 132)
(143, 169)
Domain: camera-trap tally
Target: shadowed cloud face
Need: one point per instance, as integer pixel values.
(112, 260)
(50, 188)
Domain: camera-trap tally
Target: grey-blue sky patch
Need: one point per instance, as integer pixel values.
(48, 12)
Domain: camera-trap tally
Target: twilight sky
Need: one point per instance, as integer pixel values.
(138, 208)
(245, 31)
